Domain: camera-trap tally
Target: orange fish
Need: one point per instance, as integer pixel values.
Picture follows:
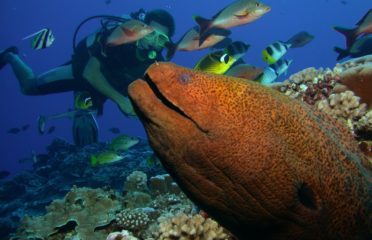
(190, 41)
(237, 13)
(128, 32)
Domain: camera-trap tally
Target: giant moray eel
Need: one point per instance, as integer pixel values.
(264, 165)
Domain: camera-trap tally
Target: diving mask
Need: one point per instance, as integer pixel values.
(155, 40)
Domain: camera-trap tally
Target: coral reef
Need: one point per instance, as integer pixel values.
(356, 74)
(82, 213)
(132, 219)
(185, 227)
(343, 92)
(86, 213)
(53, 174)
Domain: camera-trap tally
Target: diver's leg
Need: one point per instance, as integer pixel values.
(59, 79)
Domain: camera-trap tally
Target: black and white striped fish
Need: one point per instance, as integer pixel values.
(41, 39)
(274, 71)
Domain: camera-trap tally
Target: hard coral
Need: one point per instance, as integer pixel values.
(195, 227)
(356, 74)
(81, 213)
(132, 219)
(344, 106)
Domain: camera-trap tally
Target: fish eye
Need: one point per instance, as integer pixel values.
(224, 58)
(257, 4)
(185, 78)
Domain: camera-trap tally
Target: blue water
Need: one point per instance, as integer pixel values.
(19, 18)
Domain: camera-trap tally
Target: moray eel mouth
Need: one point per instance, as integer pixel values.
(152, 104)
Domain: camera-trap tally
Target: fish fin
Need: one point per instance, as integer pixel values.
(213, 31)
(222, 44)
(243, 14)
(364, 17)
(93, 160)
(299, 40)
(128, 32)
(348, 33)
(172, 48)
(34, 34)
(203, 23)
(342, 53)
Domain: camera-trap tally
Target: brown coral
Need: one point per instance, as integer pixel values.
(81, 212)
(357, 76)
(195, 227)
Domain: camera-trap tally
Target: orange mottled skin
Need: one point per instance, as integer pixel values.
(263, 165)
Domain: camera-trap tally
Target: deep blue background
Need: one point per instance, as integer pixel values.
(19, 18)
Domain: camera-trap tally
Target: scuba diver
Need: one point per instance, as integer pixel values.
(99, 70)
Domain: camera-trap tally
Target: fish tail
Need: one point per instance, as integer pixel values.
(350, 35)
(297, 40)
(203, 23)
(213, 31)
(172, 48)
(342, 53)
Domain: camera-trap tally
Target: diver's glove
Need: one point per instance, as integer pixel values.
(84, 129)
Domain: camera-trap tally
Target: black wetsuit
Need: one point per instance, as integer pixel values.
(119, 64)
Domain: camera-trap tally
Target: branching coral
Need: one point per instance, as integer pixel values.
(326, 90)
(195, 227)
(344, 106)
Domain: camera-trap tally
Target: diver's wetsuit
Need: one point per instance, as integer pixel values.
(119, 64)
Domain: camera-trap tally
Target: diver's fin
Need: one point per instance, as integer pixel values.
(342, 53)
(222, 44)
(213, 31)
(3, 61)
(348, 33)
(300, 39)
(172, 48)
(203, 23)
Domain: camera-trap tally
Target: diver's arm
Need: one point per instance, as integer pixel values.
(95, 77)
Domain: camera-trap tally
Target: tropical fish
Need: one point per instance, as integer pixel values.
(83, 100)
(237, 49)
(361, 47)
(363, 27)
(289, 171)
(4, 174)
(219, 62)
(25, 127)
(105, 158)
(273, 72)
(123, 143)
(278, 49)
(237, 13)
(245, 71)
(129, 31)
(41, 39)
(114, 130)
(190, 41)
(300, 39)
(14, 130)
